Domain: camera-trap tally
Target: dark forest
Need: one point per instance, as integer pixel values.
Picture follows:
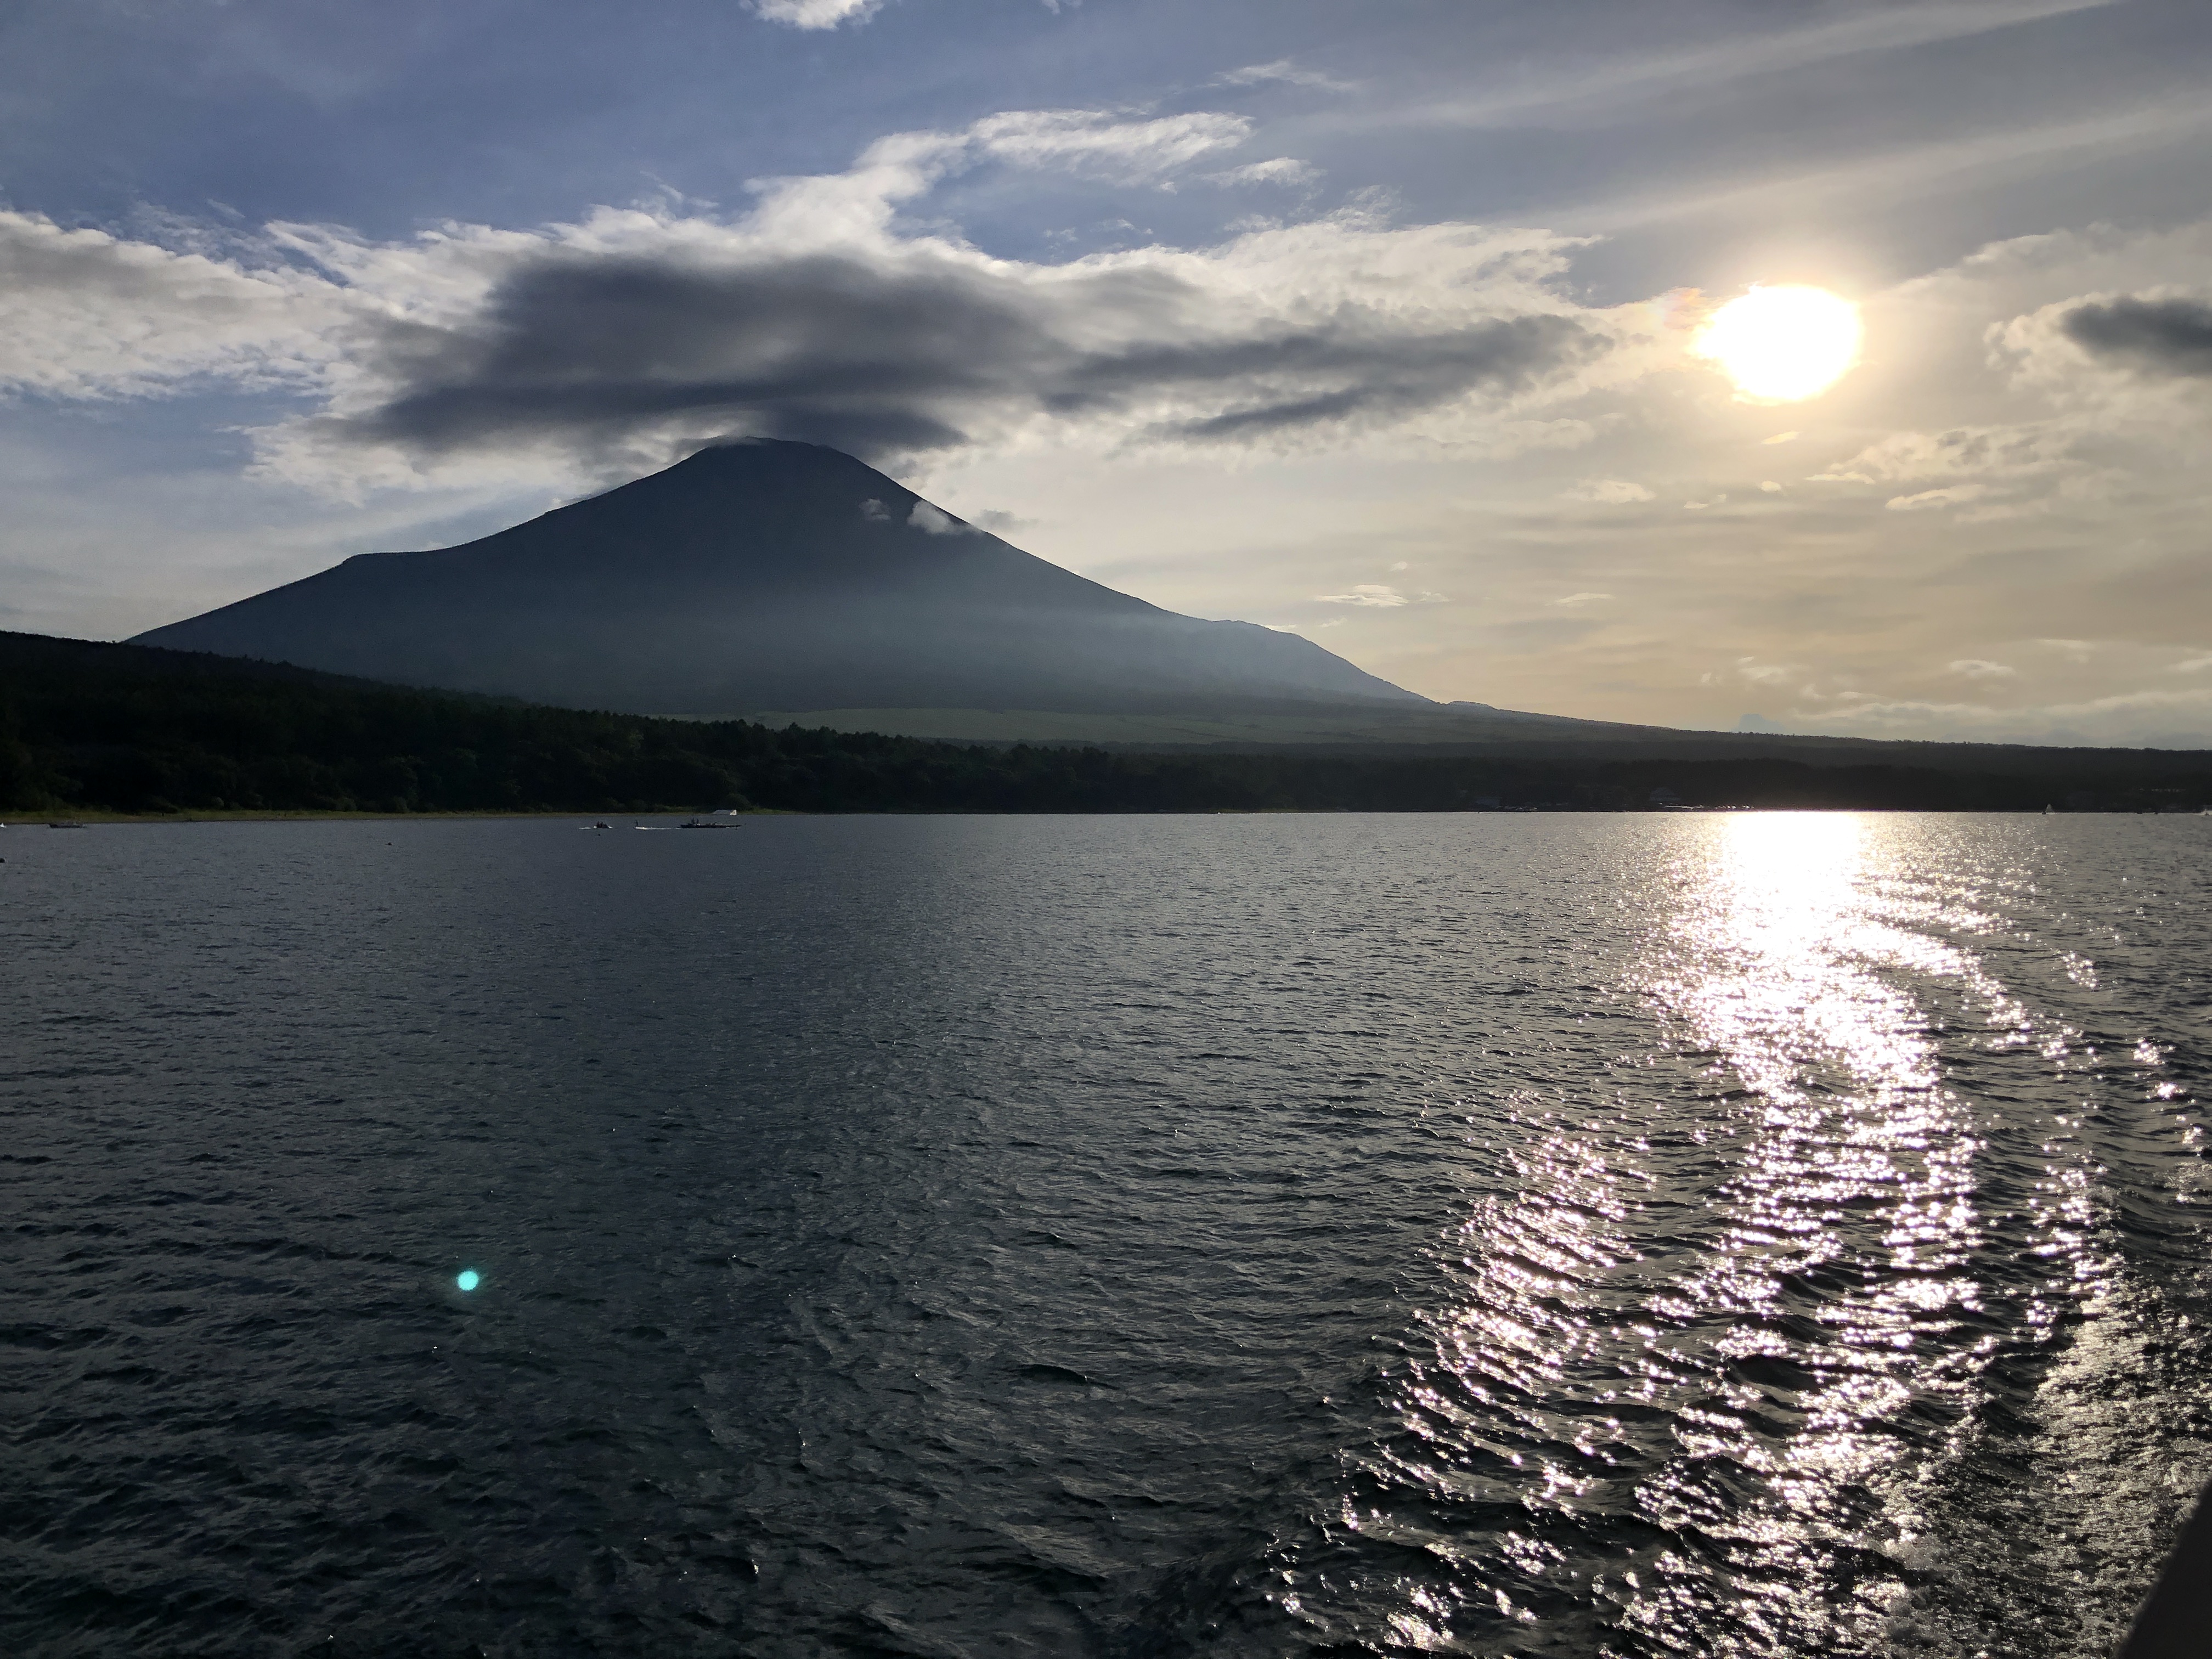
(125, 729)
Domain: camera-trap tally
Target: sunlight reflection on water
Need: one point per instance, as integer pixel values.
(1700, 1362)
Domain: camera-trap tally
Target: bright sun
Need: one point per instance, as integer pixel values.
(1782, 344)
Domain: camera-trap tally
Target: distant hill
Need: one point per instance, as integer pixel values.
(124, 728)
(772, 575)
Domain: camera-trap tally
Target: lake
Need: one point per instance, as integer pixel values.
(1498, 1234)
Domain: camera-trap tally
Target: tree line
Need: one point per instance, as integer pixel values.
(125, 729)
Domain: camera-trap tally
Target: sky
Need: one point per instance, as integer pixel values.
(1389, 322)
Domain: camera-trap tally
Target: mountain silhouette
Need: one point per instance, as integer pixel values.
(761, 576)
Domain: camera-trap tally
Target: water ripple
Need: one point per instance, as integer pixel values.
(1501, 1235)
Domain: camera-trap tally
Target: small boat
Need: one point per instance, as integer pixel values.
(700, 824)
(601, 824)
(64, 823)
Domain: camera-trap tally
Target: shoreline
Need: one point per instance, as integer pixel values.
(90, 818)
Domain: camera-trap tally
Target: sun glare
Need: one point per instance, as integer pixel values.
(1779, 344)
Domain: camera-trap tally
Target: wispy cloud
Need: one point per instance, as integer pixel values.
(1896, 174)
(1281, 170)
(2162, 719)
(1608, 86)
(1377, 596)
(1099, 142)
(1283, 71)
(1950, 495)
(1367, 593)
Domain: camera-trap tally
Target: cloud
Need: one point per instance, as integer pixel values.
(814, 14)
(937, 521)
(1766, 673)
(1782, 438)
(2180, 719)
(2163, 336)
(1769, 486)
(620, 342)
(1953, 496)
(903, 348)
(1098, 142)
(1619, 492)
(1576, 600)
(875, 512)
(1375, 595)
(1610, 88)
(1283, 72)
(1282, 170)
(2007, 451)
(1977, 668)
(84, 314)
(1307, 377)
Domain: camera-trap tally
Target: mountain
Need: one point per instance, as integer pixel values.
(770, 576)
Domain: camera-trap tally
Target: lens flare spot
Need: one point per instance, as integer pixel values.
(1784, 344)
(467, 1278)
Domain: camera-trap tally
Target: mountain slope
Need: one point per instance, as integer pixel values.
(769, 575)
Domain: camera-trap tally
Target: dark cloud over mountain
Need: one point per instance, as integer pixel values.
(878, 355)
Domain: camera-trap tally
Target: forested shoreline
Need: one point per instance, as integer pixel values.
(121, 729)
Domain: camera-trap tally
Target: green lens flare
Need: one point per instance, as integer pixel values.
(468, 1280)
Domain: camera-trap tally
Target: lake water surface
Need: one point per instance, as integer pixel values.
(1762, 1234)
